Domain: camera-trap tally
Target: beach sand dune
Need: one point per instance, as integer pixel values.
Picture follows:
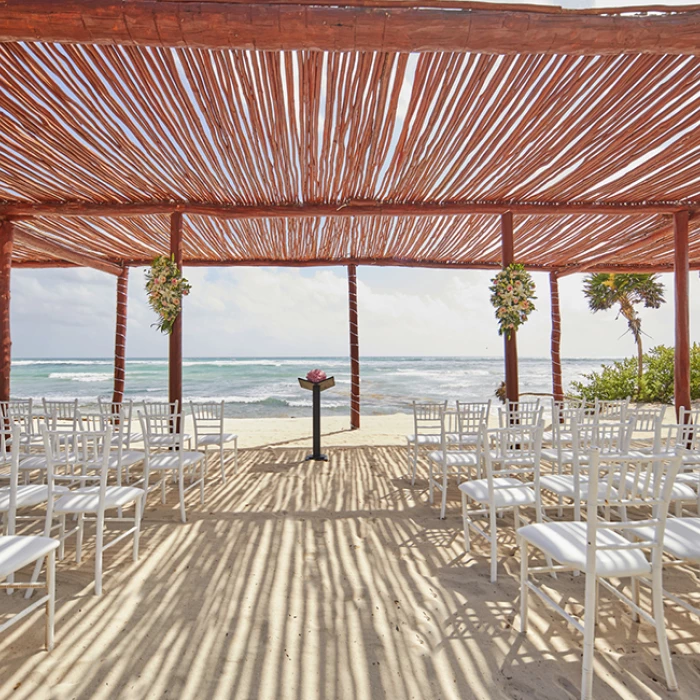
(300, 580)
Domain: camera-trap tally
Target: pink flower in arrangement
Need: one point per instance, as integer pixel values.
(316, 376)
(173, 280)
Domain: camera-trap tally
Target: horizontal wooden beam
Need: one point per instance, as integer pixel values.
(375, 262)
(63, 254)
(597, 261)
(22, 210)
(348, 26)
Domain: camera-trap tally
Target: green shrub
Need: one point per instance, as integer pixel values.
(619, 379)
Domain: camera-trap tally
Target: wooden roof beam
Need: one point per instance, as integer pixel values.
(222, 210)
(63, 253)
(665, 231)
(349, 26)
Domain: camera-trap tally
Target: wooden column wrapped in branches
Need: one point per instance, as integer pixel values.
(6, 231)
(681, 282)
(557, 386)
(120, 337)
(511, 346)
(354, 350)
(175, 350)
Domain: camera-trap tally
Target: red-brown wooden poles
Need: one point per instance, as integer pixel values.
(6, 228)
(681, 282)
(175, 354)
(557, 386)
(354, 350)
(511, 347)
(120, 337)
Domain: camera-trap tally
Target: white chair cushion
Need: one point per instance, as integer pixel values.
(33, 462)
(17, 551)
(28, 496)
(216, 439)
(563, 485)
(455, 458)
(552, 455)
(507, 492)
(679, 492)
(681, 538)
(171, 460)
(165, 440)
(129, 458)
(88, 500)
(690, 478)
(451, 438)
(567, 543)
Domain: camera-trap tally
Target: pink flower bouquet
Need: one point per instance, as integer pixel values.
(316, 376)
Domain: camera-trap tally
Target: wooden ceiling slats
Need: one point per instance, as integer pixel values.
(129, 125)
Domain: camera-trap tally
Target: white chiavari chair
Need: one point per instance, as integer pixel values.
(208, 421)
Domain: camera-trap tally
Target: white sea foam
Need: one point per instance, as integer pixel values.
(82, 376)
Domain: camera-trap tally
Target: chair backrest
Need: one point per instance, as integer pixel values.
(83, 448)
(689, 415)
(472, 416)
(626, 482)
(612, 410)
(428, 418)
(608, 438)
(14, 476)
(647, 419)
(520, 413)
(119, 416)
(674, 436)
(160, 432)
(514, 450)
(160, 408)
(61, 414)
(90, 422)
(563, 421)
(208, 418)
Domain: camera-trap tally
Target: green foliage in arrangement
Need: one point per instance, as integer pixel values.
(619, 379)
(512, 295)
(166, 286)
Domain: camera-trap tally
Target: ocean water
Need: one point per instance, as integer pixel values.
(268, 387)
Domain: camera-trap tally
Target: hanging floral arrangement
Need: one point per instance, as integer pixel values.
(512, 295)
(166, 286)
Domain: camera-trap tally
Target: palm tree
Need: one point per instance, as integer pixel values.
(604, 291)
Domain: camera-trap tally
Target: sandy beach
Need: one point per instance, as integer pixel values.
(301, 580)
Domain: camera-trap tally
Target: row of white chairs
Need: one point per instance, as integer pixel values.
(502, 471)
(82, 465)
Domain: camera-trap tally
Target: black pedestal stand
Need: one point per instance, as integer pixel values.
(317, 388)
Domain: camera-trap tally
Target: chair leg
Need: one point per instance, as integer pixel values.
(657, 595)
(465, 523)
(61, 537)
(523, 586)
(443, 506)
(235, 455)
(51, 602)
(430, 481)
(223, 465)
(415, 464)
(181, 482)
(635, 597)
(162, 487)
(589, 636)
(79, 539)
(137, 527)
(202, 474)
(493, 539)
(99, 542)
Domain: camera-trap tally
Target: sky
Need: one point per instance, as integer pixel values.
(273, 312)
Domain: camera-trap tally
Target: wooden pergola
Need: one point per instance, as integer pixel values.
(441, 133)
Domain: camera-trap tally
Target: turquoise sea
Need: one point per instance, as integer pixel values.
(268, 387)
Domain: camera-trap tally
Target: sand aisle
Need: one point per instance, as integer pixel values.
(307, 581)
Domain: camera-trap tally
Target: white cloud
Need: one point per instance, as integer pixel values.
(287, 311)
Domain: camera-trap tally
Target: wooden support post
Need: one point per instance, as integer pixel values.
(175, 354)
(120, 337)
(511, 346)
(557, 387)
(681, 282)
(6, 230)
(354, 350)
